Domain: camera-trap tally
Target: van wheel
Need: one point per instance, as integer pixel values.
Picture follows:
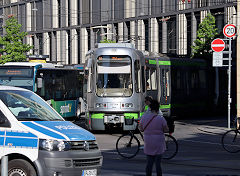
(20, 167)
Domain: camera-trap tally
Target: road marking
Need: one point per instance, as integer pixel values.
(204, 142)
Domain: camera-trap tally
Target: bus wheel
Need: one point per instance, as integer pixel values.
(20, 167)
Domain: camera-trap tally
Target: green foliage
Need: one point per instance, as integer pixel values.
(13, 49)
(107, 41)
(206, 33)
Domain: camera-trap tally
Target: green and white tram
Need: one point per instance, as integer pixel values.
(183, 86)
(115, 74)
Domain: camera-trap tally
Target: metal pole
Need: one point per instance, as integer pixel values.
(4, 166)
(238, 61)
(229, 82)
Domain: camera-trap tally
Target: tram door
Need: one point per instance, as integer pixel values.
(165, 88)
(152, 80)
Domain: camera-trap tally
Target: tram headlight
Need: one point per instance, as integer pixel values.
(128, 105)
(101, 105)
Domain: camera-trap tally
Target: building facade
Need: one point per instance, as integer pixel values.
(66, 29)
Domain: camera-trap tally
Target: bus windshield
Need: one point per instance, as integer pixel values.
(60, 84)
(114, 76)
(20, 77)
(26, 106)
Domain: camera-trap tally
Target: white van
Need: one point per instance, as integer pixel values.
(38, 141)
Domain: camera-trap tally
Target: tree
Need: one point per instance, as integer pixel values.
(12, 47)
(206, 33)
(105, 40)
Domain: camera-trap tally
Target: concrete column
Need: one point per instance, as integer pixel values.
(74, 12)
(92, 39)
(231, 18)
(63, 47)
(55, 14)
(84, 43)
(65, 44)
(29, 17)
(193, 28)
(29, 41)
(182, 34)
(120, 32)
(154, 40)
(54, 47)
(127, 9)
(110, 33)
(74, 48)
(164, 37)
(125, 32)
(132, 32)
(203, 14)
(46, 45)
(58, 43)
(36, 45)
(141, 35)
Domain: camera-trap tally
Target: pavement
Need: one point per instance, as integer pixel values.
(200, 152)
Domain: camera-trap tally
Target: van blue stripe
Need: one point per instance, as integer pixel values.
(43, 130)
(21, 142)
(20, 134)
(2, 133)
(1, 141)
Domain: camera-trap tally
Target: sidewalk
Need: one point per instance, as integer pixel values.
(217, 125)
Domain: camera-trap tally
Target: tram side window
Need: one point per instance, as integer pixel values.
(194, 79)
(177, 79)
(89, 82)
(137, 76)
(148, 79)
(202, 79)
(153, 73)
(143, 79)
(168, 82)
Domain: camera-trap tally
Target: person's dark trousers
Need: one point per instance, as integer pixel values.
(151, 159)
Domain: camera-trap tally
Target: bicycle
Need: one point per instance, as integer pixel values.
(231, 139)
(128, 145)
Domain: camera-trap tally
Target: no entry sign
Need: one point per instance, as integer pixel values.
(218, 45)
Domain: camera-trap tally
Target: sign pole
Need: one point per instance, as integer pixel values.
(229, 83)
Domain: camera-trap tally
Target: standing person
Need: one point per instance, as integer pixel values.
(153, 125)
(148, 101)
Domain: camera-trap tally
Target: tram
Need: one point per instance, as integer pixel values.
(115, 75)
(183, 86)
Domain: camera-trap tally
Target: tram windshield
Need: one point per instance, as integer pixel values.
(114, 76)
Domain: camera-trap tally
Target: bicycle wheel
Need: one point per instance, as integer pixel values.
(127, 146)
(171, 147)
(231, 141)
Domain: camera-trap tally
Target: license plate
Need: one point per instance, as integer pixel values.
(114, 105)
(92, 172)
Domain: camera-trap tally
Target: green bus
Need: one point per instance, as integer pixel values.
(61, 87)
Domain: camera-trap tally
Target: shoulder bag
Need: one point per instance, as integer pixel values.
(149, 122)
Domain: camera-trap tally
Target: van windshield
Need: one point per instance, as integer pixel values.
(27, 106)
